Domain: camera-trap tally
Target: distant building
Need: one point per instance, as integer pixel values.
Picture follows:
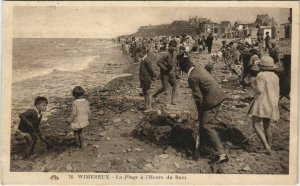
(225, 26)
(264, 20)
(244, 29)
(265, 29)
(205, 26)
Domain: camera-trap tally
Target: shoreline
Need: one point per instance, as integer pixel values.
(99, 72)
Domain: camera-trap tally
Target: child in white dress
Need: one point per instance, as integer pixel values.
(264, 107)
(80, 114)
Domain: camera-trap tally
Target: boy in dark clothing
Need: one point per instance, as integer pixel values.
(209, 42)
(29, 125)
(208, 97)
(267, 41)
(147, 75)
(168, 71)
(134, 46)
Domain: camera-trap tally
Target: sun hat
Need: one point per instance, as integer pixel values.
(266, 63)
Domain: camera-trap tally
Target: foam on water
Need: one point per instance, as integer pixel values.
(23, 74)
(63, 65)
(39, 57)
(76, 65)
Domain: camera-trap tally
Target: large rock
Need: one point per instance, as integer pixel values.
(180, 131)
(167, 129)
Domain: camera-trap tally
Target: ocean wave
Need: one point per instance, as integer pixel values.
(72, 66)
(23, 74)
(76, 65)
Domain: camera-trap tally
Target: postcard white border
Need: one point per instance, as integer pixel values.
(235, 179)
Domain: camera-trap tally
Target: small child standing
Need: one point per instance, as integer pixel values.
(29, 126)
(147, 75)
(80, 114)
(236, 54)
(264, 107)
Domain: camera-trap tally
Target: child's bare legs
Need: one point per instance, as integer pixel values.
(80, 138)
(147, 96)
(173, 94)
(77, 138)
(31, 140)
(162, 89)
(266, 124)
(257, 127)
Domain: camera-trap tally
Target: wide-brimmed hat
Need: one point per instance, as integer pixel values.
(266, 63)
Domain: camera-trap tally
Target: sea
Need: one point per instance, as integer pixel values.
(53, 67)
(37, 57)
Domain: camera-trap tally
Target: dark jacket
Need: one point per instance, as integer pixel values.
(31, 116)
(146, 71)
(267, 39)
(206, 89)
(209, 40)
(133, 48)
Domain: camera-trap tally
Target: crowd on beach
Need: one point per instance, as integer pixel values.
(254, 61)
(255, 64)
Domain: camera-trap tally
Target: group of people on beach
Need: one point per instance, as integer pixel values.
(160, 43)
(207, 93)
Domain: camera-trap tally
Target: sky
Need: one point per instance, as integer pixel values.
(108, 22)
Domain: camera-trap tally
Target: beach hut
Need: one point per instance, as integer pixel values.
(230, 34)
(266, 29)
(253, 32)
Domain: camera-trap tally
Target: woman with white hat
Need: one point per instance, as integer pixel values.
(264, 107)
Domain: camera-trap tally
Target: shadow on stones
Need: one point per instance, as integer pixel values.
(165, 131)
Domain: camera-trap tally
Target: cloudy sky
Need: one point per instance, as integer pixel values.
(105, 22)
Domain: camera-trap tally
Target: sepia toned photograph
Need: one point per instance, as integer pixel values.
(150, 92)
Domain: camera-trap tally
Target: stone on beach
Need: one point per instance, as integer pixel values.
(117, 120)
(69, 167)
(102, 134)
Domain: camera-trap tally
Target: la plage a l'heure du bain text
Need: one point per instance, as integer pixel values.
(129, 177)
